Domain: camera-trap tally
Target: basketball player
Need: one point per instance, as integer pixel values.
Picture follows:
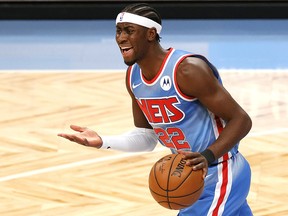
(178, 99)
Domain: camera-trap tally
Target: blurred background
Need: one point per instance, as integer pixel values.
(69, 35)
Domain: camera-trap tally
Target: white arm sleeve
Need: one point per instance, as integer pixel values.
(136, 140)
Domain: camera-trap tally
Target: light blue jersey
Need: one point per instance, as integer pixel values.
(182, 122)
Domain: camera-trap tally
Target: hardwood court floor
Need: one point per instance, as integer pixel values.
(42, 174)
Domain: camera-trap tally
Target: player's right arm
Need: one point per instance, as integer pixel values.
(140, 120)
(140, 138)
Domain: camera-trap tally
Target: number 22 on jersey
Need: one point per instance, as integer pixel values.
(172, 138)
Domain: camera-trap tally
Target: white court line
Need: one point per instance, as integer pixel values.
(71, 165)
(109, 158)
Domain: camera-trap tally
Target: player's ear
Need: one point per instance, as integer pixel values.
(151, 34)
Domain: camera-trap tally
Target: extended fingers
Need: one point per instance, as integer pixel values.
(75, 138)
(79, 140)
(70, 137)
(66, 136)
(77, 128)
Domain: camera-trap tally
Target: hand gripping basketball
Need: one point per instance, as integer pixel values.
(173, 184)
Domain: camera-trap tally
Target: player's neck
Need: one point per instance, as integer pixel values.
(152, 63)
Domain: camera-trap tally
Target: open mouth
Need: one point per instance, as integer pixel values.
(125, 50)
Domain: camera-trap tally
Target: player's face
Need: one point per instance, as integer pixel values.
(131, 41)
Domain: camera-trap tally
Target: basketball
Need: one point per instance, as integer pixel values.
(173, 184)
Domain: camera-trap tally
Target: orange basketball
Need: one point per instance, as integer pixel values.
(173, 184)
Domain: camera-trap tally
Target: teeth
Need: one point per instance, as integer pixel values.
(125, 49)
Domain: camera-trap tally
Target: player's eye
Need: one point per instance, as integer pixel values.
(118, 31)
(131, 31)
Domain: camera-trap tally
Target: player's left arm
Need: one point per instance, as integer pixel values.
(195, 78)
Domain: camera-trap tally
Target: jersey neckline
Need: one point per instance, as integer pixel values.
(151, 82)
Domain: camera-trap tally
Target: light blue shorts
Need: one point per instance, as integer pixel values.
(226, 188)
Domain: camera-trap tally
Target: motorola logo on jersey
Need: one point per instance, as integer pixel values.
(161, 110)
(165, 83)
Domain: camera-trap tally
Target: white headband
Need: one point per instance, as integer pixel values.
(139, 20)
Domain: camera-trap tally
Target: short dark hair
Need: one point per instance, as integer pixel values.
(145, 10)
